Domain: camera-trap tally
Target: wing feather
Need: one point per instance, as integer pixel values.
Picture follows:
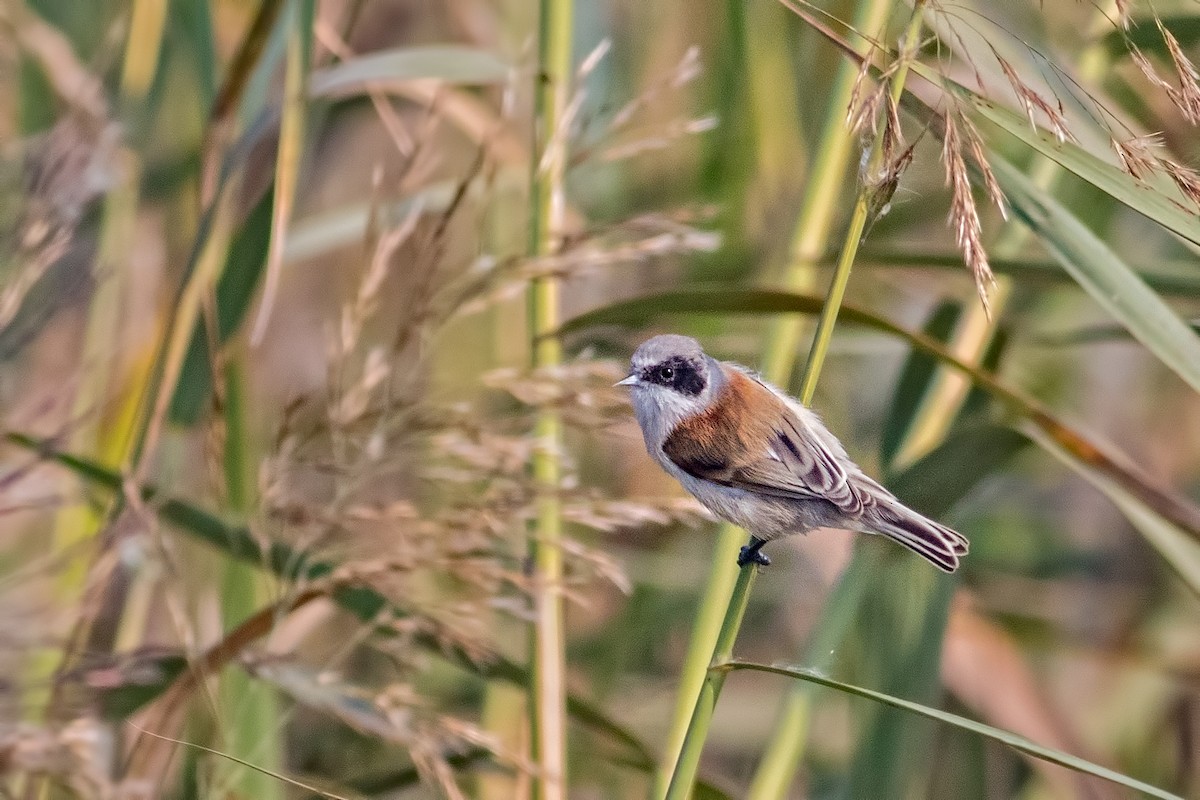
(725, 447)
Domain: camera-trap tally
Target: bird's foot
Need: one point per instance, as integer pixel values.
(753, 554)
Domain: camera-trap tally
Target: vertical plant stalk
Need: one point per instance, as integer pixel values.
(685, 772)
(945, 396)
(250, 713)
(860, 218)
(291, 152)
(112, 382)
(547, 706)
(146, 24)
(779, 763)
(810, 239)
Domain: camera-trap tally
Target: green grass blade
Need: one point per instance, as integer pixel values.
(939, 479)
(1100, 271)
(1091, 334)
(900, 630)
(1156, 203)
(1177, 548)
(914, 381)
(903, 617)
(250, 715)
(290, 156)
(1159, 202)
(1142, 32)
(988, 447)
(234, 294)
(1019, 743)
(192, 22)
(1173, 278)
(450, 63)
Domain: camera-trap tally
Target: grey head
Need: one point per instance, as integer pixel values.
(670, 378)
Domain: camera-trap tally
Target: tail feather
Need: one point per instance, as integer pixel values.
(933, 541)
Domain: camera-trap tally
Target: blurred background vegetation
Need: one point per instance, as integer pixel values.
(314, 481)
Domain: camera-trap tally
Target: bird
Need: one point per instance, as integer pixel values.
(760, 459)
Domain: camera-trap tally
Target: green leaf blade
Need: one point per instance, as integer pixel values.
(451, 63)
(1105, 276)
(1015, 741)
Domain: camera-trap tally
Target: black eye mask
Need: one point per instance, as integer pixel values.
(678, 373)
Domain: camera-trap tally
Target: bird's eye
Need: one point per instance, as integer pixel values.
(665, 374)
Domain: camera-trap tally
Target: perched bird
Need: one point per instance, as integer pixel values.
(760, 459)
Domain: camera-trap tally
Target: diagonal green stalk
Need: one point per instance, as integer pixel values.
(775, 771)
(809, 244)
(289, 159)
(684, 774)
(944, 397)
(1015, 741)
(547, 690)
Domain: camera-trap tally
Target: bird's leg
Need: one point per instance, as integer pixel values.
(752, 553)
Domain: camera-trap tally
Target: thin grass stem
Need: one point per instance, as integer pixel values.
(945, 396)
(685, 772)
(809, 243)
(250, 710)
(547, 706)
(113, 382)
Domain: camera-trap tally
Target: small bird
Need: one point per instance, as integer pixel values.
(761, 460)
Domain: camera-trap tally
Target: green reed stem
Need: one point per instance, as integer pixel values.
(684, 774)
(814, 223)
(250, 713)
(779, 763)
(547, 691)
(945, 396)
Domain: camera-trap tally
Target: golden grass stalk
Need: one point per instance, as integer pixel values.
(112, 382)
(547, 691)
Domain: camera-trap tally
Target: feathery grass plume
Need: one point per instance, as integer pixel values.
(635, 241)
(46, 184)
(864, 102)
(1187, 95)
(75, 754)
(1136, 154)
(1186, 179)
(1137, 157)
(864, 112)
(1124, 9)
(1034, 103)
(418, 499)
(396, 713)
(964, 215)
(894, 159)
(618, 138)
(974, 144)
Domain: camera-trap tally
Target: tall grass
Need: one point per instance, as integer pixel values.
(315, 480)
(548, 161)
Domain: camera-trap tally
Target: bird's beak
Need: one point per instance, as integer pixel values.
(628, 380)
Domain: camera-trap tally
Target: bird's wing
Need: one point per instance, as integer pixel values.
(797, 462)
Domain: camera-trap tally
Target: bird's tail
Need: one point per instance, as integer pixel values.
(940, 545)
